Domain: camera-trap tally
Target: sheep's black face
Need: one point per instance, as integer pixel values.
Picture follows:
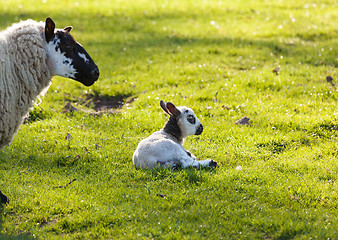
(86, 71)
(68, 57)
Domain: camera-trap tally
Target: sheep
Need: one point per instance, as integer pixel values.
(31, 53)
(164, 148)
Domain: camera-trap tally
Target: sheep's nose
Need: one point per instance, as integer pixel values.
(95, 73)
(199, 130)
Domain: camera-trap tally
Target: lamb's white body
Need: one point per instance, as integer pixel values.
(164, 148)
(24, 74)
(161, 149)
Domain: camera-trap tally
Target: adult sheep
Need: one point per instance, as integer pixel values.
(31, 53)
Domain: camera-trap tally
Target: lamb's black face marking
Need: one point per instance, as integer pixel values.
(70, 58)
(191, 119)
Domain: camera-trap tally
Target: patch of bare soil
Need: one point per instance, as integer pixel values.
(104, 102)
(99, 103)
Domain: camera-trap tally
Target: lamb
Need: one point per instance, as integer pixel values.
(164, 147)
(31, 53)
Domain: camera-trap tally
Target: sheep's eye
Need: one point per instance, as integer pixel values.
(191, 119)
(69, 46)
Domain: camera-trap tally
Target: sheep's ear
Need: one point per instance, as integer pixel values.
(162, 104)
(49, 29)
(68, 29)
(172, 109)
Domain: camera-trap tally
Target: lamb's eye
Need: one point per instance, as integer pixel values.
(191, 119)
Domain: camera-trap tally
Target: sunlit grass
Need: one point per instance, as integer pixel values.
(276, 177)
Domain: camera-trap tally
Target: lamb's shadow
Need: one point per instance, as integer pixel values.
(195, 176)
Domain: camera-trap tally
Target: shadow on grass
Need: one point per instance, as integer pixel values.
(10, 237)
(101, 102)
(166, 42)
(191, 175)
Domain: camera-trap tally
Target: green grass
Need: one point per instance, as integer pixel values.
(216, 57)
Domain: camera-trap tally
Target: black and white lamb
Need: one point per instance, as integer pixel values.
(164, 147)
(31, 53)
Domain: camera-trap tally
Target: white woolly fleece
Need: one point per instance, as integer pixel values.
(24, 74)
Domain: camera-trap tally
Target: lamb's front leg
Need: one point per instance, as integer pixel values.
(207, 163)
(192, 162)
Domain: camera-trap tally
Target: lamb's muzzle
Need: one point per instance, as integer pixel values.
(199, 130)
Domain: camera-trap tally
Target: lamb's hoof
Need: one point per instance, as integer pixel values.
(3, 198)
(212, 163)
(176, 166)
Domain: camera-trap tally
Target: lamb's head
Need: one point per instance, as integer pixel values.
(67, 57)
(182, 122)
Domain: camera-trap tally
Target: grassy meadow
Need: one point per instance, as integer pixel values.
(69, 175)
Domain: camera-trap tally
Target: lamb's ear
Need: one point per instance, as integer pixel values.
(49, 29)
(172, 109)
(162, 104)
(68, 29)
